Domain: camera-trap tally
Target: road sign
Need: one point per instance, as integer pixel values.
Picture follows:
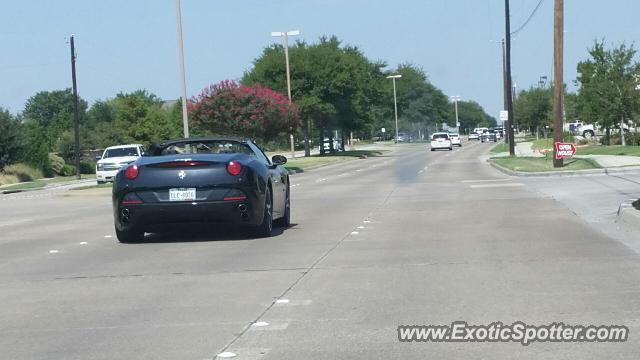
(565, 150)
(383, 130)
(504, 115)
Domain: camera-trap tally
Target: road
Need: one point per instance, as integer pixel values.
(410, 238)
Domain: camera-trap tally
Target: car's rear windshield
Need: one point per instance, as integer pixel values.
(205, 147)
(121, 152)
(440, 136)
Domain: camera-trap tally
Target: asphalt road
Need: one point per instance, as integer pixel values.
(413, 237)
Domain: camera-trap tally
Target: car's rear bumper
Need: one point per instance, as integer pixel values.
(441, 146)
(149, 216)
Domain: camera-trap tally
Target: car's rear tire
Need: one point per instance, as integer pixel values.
(450, 148)
(101, 182)
(433, 149)
(266, 227)
(285, 221)
(129, 236)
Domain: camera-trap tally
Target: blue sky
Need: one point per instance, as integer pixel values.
(124, 45)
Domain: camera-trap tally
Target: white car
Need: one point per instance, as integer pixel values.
(474, 136)
(115, 157)
(455, 139)
(440, 140)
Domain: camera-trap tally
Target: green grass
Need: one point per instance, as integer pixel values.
(542, 144)
(534, 164)
(500, 148)
(609, 150)
(38, 183)
(305, 163)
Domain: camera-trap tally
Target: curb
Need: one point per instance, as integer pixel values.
(49, 186)
(605, 171)
(628, 215)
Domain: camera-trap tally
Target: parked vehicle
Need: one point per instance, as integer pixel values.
(455, 139)
(440, 140)
(114, 158)
(205, 180)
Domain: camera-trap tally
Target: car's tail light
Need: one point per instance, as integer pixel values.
(235, 195)
(234, 168)
(131, 172)
(131, 199)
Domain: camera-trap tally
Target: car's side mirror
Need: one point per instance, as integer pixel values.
(278, 160)
(98, 157)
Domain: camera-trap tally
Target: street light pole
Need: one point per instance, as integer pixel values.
(395, 100)
(285, 35)
(183, 82)
(455, 102)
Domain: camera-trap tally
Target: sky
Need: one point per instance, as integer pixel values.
(125, 45)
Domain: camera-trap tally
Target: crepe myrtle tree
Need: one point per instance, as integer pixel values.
(252, 111)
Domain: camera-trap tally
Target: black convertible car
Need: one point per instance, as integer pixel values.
(201, 180)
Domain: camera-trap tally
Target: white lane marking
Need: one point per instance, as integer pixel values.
(321, 180)
(84, 243)
(282, 301)
(485, 180)
(496, 185)
(367, 221)
(294, 185)
(108, 236)
(260, 323)
(358, 170)
(354, 233)
(360, 227)
(226, 355)
(53, 251)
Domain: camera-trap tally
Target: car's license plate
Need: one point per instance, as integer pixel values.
(182, 194)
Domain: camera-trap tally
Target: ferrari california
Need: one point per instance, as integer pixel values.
(203, 180)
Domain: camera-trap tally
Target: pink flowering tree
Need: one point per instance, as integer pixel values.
(253, 111)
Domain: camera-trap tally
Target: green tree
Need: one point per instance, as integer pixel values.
(608, 81)
(333, 86)
(11, 139)
(533, 108)
(472, 115)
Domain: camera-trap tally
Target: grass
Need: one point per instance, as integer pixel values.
(609, 150)
(542, 144)
(305, 163)
(37, 184)
(500, 148)
(535, 164)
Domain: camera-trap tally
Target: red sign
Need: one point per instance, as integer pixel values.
(565, 150)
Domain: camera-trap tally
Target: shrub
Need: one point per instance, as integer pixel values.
(8, 179)
(68, 170)
(56, 163)
(632, 138)
(87, 167)
(23, 172)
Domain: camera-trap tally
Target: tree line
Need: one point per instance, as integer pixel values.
(335, 87)
(608, 94)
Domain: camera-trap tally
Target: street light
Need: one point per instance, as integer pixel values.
(285, 35)
(455, 100)
(395, 100)
(183, 82)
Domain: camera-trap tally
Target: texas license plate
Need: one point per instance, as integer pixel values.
(182, 194)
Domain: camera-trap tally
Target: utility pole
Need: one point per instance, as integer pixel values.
(183, 82)
(76, 119)
(558, 44)
(507, 61)
(395, 100)
(505, 88)
(285, 35)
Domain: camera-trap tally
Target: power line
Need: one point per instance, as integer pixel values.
(529, 18)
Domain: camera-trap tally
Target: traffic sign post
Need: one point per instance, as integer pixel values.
(564, 150)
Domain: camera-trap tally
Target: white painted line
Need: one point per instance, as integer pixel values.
(260, 323)
(84, 243)
(282, 301)
(367, 221)
(108, 236)
(226, 355)
(485, 180)
(53, 251)
(354, 233)
(360, 227)
(496, 185)
(321, 180)
(358, 170)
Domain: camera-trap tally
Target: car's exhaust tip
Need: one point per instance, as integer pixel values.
(124, 215)
(242, 208)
